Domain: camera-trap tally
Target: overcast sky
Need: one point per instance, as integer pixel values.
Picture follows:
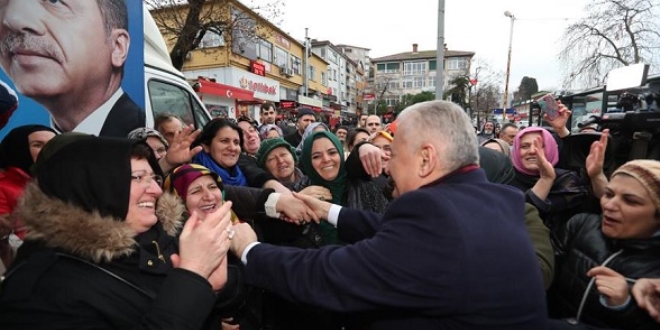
(471, 25)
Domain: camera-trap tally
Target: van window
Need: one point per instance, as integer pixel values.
(169, 98)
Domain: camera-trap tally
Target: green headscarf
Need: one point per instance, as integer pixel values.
(336, 186)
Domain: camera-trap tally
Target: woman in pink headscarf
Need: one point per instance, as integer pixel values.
(557, 194)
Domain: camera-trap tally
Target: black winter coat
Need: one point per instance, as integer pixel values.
(79, 270)
(580, 246)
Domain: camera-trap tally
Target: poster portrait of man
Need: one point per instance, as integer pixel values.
(74, 59)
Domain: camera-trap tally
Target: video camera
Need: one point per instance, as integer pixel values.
(634, 125)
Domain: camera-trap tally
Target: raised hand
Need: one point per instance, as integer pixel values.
(610, 284)
(546, 170)
(372, 159)
(559, 123)
(596, 159)
(647, 294)
(204, 244)
(179, 151)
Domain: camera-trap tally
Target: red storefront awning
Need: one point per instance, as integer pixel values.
(222, 90)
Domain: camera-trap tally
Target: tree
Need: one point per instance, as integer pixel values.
(527, 88)
(422, 97)
(185, 23)
(615, 33)
(458, 90)
(486, 93)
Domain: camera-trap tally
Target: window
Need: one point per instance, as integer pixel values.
(334, 74)
(323, 52)
(432, 65)
(392, 100)
(332, 56)
(407, 83)
(281, 57)
(414, 68)
(265, 50)
(324, 78)
(312, 73)
(388, 67)
(457, 63)
(419, 82)
(295, 64)
(212, 39)
(166, 97)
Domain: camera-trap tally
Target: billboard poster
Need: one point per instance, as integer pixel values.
(74, 66)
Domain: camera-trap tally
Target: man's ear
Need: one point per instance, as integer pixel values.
(427, 160)
(121, 42)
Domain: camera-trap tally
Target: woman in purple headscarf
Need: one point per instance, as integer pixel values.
(557, 193)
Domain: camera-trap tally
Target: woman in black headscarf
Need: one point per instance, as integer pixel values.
(101, 250)
(18, 150)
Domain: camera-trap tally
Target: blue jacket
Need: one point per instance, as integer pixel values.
(454, 254)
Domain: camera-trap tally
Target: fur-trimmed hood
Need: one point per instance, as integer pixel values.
(88, 235)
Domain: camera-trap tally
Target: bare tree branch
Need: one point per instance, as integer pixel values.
(185, 23)
(615, 33)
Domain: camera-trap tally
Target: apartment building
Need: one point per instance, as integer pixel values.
(345, 77)
(235, 73)
(414, 72)
(360, 56)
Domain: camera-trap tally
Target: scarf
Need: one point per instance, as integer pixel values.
(337, 186)
(15, 147)
(550, 149)
(93, 173)
(308, 132)
(238, 179)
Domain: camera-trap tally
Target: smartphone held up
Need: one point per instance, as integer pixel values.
(549, 105)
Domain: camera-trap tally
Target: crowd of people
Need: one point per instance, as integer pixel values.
(421, 223)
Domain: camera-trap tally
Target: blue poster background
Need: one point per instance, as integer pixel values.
(31, 112)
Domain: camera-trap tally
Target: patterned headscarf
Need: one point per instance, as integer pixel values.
(183, 176)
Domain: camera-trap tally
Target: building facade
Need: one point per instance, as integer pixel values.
(415, 72)
(237, 71)
(345, 78)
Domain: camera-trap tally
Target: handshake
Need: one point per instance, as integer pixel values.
(310, 204)
(298, 208)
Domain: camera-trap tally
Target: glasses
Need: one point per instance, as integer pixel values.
(145, 179)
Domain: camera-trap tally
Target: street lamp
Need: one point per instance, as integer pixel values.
(508, 68)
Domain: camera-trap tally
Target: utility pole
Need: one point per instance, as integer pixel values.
(440, 58)
(306, 64)
(505, 99)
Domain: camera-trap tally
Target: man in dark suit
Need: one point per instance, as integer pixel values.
(70, 58)
(450, 252)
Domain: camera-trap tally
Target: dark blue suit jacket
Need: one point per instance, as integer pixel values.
(124, 117)
(451, 255)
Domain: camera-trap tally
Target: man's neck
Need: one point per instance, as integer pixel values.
(70, 109)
